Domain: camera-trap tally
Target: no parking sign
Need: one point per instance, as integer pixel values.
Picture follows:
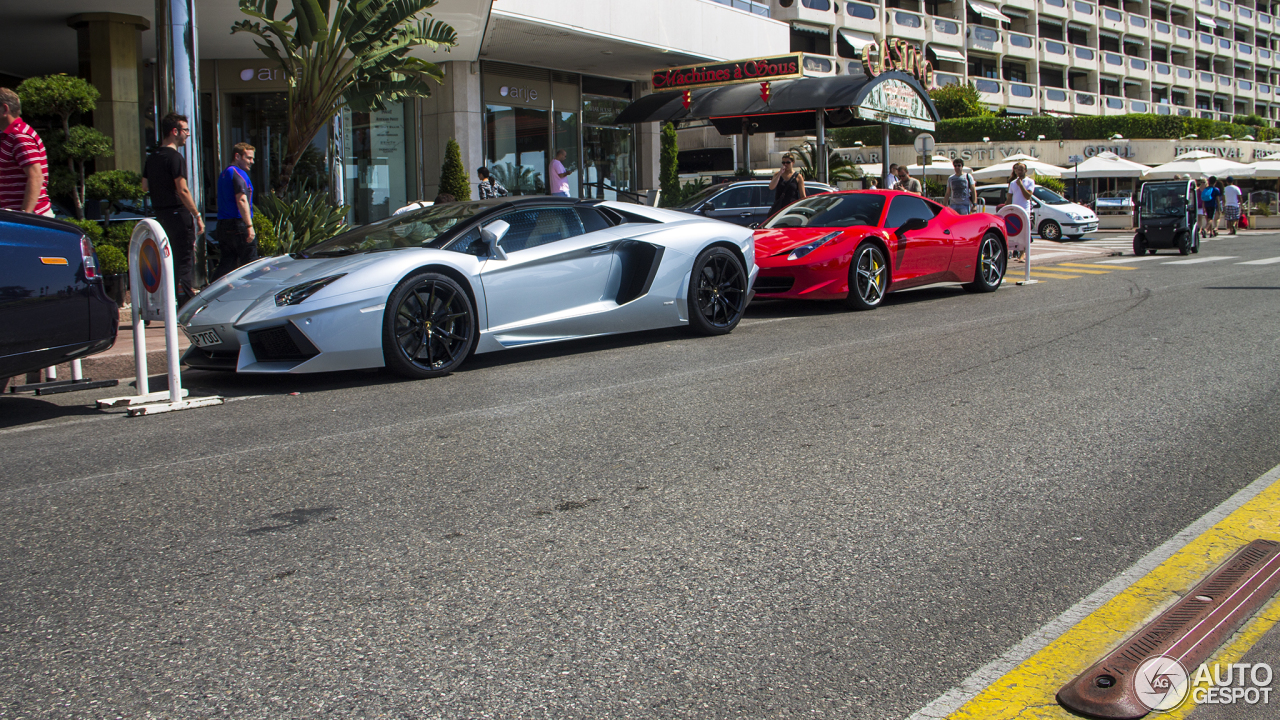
(1017, 227)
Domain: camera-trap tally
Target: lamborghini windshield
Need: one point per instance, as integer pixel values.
(1164, 200)
(831, 210)
(428, 227)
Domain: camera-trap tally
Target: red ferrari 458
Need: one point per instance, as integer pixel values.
(856, 246)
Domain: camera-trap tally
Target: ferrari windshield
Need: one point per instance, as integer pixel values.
(831, 210)
(427, 227)
(1160, 200)
(1049, 197)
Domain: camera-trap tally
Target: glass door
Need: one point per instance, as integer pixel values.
(608, 149)
(516, 145)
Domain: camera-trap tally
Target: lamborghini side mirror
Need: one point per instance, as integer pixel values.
(492, 234)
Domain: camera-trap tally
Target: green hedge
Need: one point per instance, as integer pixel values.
(1027, 128)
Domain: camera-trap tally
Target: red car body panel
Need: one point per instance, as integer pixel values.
(945, 251)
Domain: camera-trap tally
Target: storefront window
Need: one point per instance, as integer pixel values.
(377, 151)
(609, 149)
(516, 140)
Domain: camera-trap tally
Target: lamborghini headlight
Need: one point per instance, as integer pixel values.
(298, 293)
(806, 249)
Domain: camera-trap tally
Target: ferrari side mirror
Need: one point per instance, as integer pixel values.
(910, 225)
(492, 234)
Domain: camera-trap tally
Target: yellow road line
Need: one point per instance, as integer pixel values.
(1080, 269)
(1108, 268)
(1028, 690)
(1045, 274)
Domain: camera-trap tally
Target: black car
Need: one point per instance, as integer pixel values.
(1167, 218)
(742, 203)
(52, 305)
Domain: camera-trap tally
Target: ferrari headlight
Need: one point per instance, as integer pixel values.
(298, 293)
(806, 249)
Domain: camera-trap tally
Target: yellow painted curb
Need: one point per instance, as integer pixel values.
(1048, 274)
(1096, 266)
(1028, 690)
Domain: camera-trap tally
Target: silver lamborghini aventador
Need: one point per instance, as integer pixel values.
(420, 291)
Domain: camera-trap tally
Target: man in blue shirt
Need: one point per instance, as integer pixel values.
(237, 244)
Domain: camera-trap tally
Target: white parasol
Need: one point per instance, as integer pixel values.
(1107, 165)
(1197, 163)
(1005, 169)
(938, 165)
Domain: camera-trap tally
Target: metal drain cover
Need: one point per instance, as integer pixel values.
(1188, 632)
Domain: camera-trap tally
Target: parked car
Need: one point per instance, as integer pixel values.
(52, 305)
(745, 202)
(1053, 216)
(1167, 218)
(858, 245)
(421, 291)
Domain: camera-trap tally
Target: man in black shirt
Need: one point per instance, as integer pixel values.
(165, 177)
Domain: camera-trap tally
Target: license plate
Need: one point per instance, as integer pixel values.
(205, 338)
(1090, 228)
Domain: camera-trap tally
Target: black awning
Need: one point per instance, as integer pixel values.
(791, 105)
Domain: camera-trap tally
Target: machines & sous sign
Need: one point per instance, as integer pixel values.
(726, 73)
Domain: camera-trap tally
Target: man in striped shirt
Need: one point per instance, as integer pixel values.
(24, 167)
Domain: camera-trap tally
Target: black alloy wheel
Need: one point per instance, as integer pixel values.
(1050, 230)
(991, 265)
(868, 277)
(429, 326)
(1184, 243)
(718, 292)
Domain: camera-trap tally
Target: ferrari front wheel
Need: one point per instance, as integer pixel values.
(429, 326)
(868, 277)
(991, 265)
(717, 292)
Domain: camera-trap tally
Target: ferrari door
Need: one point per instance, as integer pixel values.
(924, 252)
(555, 279)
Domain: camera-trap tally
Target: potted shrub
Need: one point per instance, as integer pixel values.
(114, 267)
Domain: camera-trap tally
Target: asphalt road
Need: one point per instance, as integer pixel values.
(823, 514)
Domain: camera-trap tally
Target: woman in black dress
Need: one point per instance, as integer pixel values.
(787, 185)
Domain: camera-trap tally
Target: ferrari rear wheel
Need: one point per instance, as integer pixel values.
(868, 277)
(991, 265)
(717, 292)
(429, 326)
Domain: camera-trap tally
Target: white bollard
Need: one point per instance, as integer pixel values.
(1017, 228)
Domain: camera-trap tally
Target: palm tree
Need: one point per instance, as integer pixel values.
(839, 168)
(352, 53)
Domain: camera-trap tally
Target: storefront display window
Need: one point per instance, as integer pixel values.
(609, 149)
(377, 149)
(516, 143)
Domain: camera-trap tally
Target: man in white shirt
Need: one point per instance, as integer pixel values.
(1231, 199)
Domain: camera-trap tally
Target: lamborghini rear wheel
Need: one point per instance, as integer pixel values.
(429, 326)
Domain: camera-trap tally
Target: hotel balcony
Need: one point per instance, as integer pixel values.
(1139, 26)
(1244, 88)
(1112, 63)
(1226, 48)
(1162, 73)
(1055, 8)
(1161, 31)
(1085, 103)
(1264, 93)
(1206, 81)
(1139, 106)
(820, 12)
(1028, 5)
(1265, 23)
(980, 37)
(861, 16)
(1264, 56)
(946, 31)
(1112, 105)
(1083, 58)
(1244, 52)
(989, 91)
(1055, 52)
(1206, 42)
(1055, 99)
(1226, 85)
(1224, 10)
(1020, 95)
(1185, 76)
(903, 24)
(1138, 69)
(1111, 19)
(1083, 12)
(1020, 45)
(1184, 37)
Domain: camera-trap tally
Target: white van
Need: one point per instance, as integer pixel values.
(1053, 216)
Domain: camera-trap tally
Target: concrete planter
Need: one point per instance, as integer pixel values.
(1263, 222)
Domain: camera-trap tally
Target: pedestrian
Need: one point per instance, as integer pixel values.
(1218, 203)
(237, 242)
(1209, 198)
(489, 187)
(872, 184)
(24, 165)
(165, 177)
(893, 177)
(1021, 189)
(560, 186)
(962, 192)
(906, 183)
(443, 198)
(1231, 204)
(1202, 220)
(787, 185)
